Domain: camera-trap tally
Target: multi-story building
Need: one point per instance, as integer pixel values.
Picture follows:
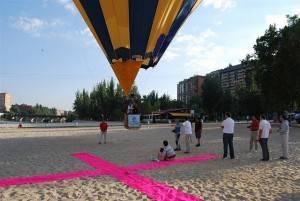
(5, 102)
(232, 77)
(188, 88)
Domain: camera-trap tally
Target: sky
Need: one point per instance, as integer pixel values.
(47, 52)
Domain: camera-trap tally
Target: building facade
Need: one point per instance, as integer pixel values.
(232, 77)
(5, 102)
(188, 88)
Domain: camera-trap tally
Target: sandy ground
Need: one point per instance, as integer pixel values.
(27, 152)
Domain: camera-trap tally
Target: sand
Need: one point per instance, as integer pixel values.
(43, 151)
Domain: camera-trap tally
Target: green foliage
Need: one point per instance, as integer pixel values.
(108, 99)
(277, 66)
(28, 110)
(71, 117)
(211, 96)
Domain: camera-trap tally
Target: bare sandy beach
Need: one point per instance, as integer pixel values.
(29, 152)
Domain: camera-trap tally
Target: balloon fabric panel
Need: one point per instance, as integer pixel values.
(116, 14)
(179, 20)
(141, 15)
(134, 34)
(95, 14)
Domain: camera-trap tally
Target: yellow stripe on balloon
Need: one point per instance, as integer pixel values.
(166, 12)
(116, 16)
(88, 22)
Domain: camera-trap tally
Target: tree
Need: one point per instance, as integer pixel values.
(277, 64)
(211, 96)
(82, 104)
(165, 102)
(196, 104)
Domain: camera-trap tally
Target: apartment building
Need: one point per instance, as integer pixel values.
(5, 102)
(190, 87)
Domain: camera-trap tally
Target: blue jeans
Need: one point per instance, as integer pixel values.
(228, 141)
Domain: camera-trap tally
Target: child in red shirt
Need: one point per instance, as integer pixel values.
(103, 128)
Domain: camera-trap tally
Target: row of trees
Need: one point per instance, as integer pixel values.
(107, 99)
(29, 110)
(23, 110)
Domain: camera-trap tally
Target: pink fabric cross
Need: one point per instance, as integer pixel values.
(127, 175)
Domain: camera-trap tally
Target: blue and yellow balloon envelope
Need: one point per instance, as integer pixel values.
(134, 34)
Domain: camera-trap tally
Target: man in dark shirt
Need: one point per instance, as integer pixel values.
(198, 130)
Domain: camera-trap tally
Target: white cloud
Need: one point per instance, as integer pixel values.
(29, 25)
(87, 37)
(200, 54)
(35, 26)
(296, 11)
(220, 4)
(171, 53)
(279, 20)
(218, 22)
(68, 5)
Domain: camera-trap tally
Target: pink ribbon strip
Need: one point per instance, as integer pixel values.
(177, 161)
(128, 175)
(153, 189)
(48, 178)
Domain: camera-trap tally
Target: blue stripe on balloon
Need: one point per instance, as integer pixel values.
(182, 15)
(141, 16)
(94, 13)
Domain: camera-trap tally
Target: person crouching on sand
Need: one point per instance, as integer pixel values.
(166, 153)
(103, 130)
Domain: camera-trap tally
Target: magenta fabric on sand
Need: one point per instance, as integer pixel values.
(128, 175)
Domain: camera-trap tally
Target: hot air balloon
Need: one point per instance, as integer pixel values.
(134, 34)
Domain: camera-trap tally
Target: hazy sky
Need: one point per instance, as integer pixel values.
(47, 52)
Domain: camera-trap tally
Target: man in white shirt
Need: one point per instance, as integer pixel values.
(264, 132)
(187, 127)
(228, 131)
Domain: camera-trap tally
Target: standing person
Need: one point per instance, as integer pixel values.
(176, 130)
(198, 130)
(264, 133)
(103, 131)
(284, 133)
(187, 127)
(228, 131)
(254, 126)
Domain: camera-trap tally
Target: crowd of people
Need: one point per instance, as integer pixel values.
(260, 131)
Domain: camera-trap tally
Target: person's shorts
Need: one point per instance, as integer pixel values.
(198, 134)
